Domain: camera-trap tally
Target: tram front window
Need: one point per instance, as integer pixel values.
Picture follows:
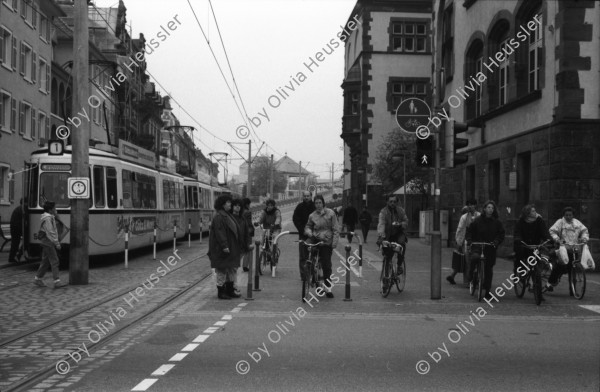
(53, 187)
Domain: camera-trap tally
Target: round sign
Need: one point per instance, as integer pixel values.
(312, 188)
(78, 187)
(412, 114)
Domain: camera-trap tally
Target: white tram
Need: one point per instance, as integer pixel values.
(127, 193)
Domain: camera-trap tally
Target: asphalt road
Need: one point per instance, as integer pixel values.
(405, 342)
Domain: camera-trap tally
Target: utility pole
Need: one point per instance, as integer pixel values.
(271, 177)
(299, 177)
(249, 186)
(332, 177)
(79, 240)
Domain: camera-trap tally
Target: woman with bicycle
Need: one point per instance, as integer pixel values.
(238, 213)
(323, 226)
(532, 230)
(485, 228)
(270, 218)
(566, 231)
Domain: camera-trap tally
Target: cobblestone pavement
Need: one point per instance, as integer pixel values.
(26, 306)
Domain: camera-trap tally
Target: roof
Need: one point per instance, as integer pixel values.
(288, 165)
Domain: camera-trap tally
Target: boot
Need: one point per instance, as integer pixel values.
(222, 293)
(230, 290)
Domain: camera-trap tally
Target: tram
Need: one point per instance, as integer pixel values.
(127, 193)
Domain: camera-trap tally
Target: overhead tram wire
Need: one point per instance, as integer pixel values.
(220, 69)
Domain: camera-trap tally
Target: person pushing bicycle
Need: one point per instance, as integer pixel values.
(270, 219)
(392, 223)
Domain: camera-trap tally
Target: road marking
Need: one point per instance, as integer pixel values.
(242, 304)
(211, 330)
(593, 308)
(147, 383)
(227, 317)
(594, 282)
(236, 310)
(162, 370)
(178, 357)
(190, 347)
(200, 338)
(220, 323)
(343, 262)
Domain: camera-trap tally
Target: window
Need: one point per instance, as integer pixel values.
(43, 125)
(448, 44)
(27, 64)
(4, 183)
(25, 123)
(139, 190)
(408, 36)
(111, 187)
(8, 49)
(494, 180)
(401, 90)
(99, 200)
(354, 103)
(44, 76)
(5, 111)
(53, 186)
(44, 29)
(24, 9)
(504, 74)
(535, 56)
(474, 65)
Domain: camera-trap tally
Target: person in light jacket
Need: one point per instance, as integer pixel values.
(224, 247)
(50, 244)
(465, 220)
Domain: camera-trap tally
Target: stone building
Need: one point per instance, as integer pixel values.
(525, 77)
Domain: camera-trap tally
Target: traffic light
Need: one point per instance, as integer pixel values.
(458, 143)
(425, 153)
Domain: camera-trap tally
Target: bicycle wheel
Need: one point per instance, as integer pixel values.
(276, 254)
(401, 278)
(537, 285)
(386, 278)
(521, 286)
(306, 276)
(261, 262)
(577, 280)
(481, 278)
(473, 282)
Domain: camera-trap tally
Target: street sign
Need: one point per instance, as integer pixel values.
(412, 113)
(56, 147)
(79, 187)
(425, 152)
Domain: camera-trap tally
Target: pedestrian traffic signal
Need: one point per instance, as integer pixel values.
(458, 143)
(425, 152)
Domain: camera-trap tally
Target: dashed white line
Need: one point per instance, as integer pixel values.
(200, 338)
(242, 304)
(178, 357)
(190, 347)
(211, 330)
(354, 270)
(227, 317)
(220, 323)
(145, 384)
(236, 310)
(162, 370)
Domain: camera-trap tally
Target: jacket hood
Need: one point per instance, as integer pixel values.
(47, 216)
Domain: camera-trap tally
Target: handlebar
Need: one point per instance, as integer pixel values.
(535, 246)
(311, 245)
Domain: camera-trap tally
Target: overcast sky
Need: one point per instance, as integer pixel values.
(267, 42)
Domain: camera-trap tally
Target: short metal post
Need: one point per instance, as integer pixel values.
(174, 236)
(190, 233)
(256, 277)
(348, 273)
(200, 224)
(360, 256)
(126, 247)
(154, 245)
(249, 290)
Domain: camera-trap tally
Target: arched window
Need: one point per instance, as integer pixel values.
(498, 80)
(530, 56)
(473, 87)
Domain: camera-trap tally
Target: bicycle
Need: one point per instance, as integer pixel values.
(313, 272)
(389, 273)
(576, 272)
(535, 277)
(269, 252)
(478, 278)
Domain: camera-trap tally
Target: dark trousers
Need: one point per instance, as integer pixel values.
(389, 253)
(558, 269)
(15, 241)
(350, 228)
(365, 231)
(325, 253)
(488, 269)
(303, 255)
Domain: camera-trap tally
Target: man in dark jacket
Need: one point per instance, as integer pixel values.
(350, 220)
(300, 218)
(16, 231)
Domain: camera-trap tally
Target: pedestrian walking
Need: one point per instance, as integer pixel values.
(224, 249)
(16, 232)
(248, 217)
(350, 220)
(300, 218)
(246, 246)
(469, 213)
(48, 235)
(365, 219)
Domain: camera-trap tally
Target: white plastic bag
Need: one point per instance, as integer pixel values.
(586, 258)
(562, 255)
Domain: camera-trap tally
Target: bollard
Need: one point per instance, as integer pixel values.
(348, 273)
(360, 256)
(273, 265)
(200, 224)
(174, 237)
(154, 246)
(249, 290)
(256, 277)
(190, 233)
(126, 247)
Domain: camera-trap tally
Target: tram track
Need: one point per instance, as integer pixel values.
(46, 371)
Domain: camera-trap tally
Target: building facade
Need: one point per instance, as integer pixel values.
(387, 59)
(525, 77)
(26, 54)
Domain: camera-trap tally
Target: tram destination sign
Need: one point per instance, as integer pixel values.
(131, 152)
